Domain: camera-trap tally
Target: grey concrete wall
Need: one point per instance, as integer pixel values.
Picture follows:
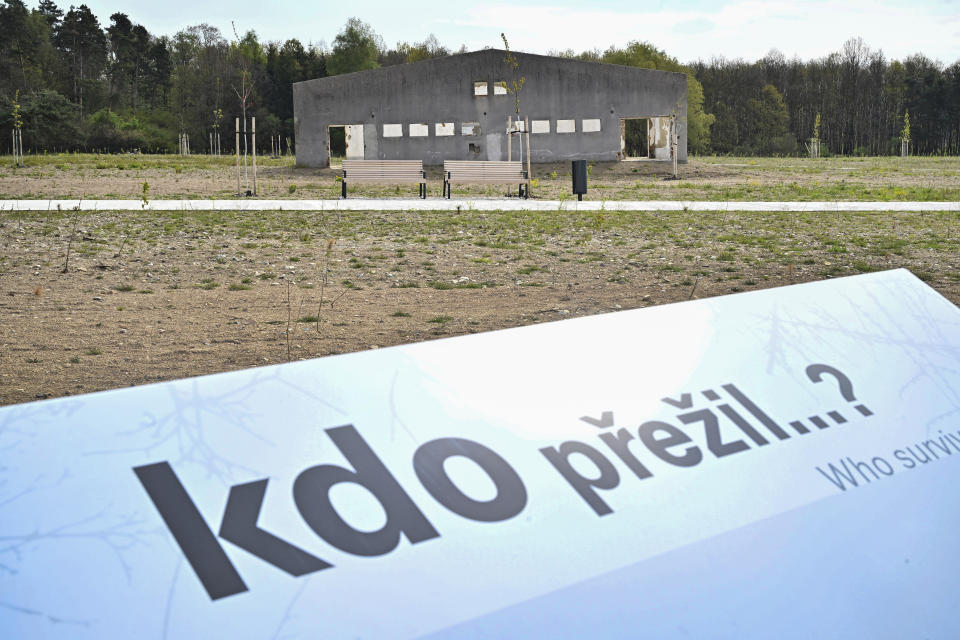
(441, 90)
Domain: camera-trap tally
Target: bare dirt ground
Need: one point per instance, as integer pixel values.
(93, 301)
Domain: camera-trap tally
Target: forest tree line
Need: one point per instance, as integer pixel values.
(76, 84)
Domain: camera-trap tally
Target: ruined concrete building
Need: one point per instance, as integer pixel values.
(458, 108)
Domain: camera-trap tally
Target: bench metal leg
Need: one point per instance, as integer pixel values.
(343, 189)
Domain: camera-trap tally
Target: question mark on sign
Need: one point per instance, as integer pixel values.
(815, 373)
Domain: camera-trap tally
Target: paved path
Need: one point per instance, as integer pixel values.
(438, 204)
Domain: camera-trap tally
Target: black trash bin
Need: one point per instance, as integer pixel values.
(579, 174)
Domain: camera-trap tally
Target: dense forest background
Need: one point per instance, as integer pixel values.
(76, 84)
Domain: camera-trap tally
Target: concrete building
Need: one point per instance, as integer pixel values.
(456, 108)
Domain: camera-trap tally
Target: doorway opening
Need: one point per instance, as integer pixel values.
(344, 141)
(645, 138)
(633, 138)
(337, 143)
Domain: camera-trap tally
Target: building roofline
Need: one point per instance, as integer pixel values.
(480, 52)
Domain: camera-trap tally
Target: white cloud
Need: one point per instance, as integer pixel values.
(747, 28)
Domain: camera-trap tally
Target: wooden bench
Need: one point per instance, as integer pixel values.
(384, 172)
(485, 172)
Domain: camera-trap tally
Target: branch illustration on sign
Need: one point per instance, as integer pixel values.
(16, 545)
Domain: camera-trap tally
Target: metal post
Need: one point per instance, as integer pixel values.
(246, 152)
(515, 130)
(253, 133)
(674, 146)
(236, 150)
(526, 128)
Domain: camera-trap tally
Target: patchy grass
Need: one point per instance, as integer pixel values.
(207, 284)
(703, 178)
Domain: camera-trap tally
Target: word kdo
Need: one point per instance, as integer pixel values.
(311, 493)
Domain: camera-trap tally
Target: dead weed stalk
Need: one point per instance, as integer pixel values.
(73, 232)
(289, 318)
(323, 279)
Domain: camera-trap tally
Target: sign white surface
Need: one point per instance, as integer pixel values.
(775, 463)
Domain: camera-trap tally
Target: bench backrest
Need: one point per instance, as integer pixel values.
(483, 168)
(384, 168)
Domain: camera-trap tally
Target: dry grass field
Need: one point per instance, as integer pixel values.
(99, 300)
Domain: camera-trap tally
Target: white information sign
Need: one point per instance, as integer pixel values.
(780, 463)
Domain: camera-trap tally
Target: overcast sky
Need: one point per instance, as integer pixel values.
(686, 29)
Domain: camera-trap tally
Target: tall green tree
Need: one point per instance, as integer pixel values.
(130, 60)
(23, 37)
(50, 12)
(426, 50)
(84, 47)
(725, 133)
(157, 76)
(201, 79)
(356, 48)
(46, 18)
(770, 120)
(405, 52)
(952, 98)
(286, 64)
